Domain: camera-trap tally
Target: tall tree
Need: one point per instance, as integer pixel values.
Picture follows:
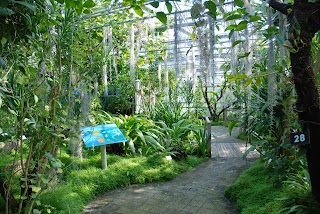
(304, 22)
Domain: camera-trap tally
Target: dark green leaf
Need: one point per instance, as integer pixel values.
(60, 1)
(155, 4)
(22, 70)
(169, 6)
(211, 6)
(138, 10)
(6, 12)
(233, 17)
(86, 11)
(238, 3)
(28, 5)
(244, 55)
(162, 17)
(89, 4)
(236, 42)
(241, 26)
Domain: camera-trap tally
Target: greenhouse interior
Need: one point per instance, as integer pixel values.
(160, 106)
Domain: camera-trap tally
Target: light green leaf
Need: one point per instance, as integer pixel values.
(36, 99)
(192, 35)
(155, 4)
(22, 79)
(254, 18)
(169, 6)
(35, 188)
(248, 82)
(89, 4)
(138, 10)
(162, 17)
(3, 40)
(36, 211)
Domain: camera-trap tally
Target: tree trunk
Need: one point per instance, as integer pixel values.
(304, 19)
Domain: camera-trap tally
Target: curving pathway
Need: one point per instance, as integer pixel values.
(200, 190)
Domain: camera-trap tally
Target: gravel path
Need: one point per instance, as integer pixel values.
(200, 190)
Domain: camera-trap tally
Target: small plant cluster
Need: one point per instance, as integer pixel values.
(166, 129)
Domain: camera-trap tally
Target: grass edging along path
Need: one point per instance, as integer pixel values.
(81, 186)
(254, 191)
(260, 191)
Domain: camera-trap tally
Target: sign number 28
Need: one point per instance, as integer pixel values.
(299, 138)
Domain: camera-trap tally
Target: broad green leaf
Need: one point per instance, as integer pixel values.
(169, 6)
(237, 42)
(89, 4)
(238, 3)
(60, 1)
(27, 5)
(211, 6)
(231, 27)
(22, 79)
(233, 17)
(35, 188)
(6, 12)
(36, 211)
(155, 4)
(162, 17)
(241, 26)
(254, 18)
(138, 10)
(241, 76)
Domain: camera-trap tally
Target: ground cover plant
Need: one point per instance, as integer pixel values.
(261, 190)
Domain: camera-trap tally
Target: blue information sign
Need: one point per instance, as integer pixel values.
(102, 135)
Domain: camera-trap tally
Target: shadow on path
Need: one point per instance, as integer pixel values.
(200, 190)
